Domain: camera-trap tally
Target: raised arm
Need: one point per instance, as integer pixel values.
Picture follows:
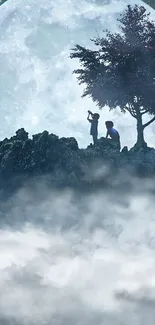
(90, 120)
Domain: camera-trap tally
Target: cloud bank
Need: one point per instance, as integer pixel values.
(77, 258)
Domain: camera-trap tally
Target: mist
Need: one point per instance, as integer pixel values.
(74, 258)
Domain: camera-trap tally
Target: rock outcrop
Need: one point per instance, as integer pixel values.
(64, 164)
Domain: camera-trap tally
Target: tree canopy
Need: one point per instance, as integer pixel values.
(121, 72)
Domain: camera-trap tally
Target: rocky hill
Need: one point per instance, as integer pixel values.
(62, 163)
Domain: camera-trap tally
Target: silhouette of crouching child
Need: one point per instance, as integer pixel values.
(94, 125)
(113, 133)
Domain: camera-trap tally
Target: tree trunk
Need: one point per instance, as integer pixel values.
(140, 131)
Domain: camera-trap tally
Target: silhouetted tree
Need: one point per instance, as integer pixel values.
(121, 73)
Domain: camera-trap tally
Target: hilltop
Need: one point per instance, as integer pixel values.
(62, 163)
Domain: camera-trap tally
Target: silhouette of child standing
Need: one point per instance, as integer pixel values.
(94, 125)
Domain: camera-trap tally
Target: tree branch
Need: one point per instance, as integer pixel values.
(149, 122)
(144, 112)
(129, 110)
(132, 114)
